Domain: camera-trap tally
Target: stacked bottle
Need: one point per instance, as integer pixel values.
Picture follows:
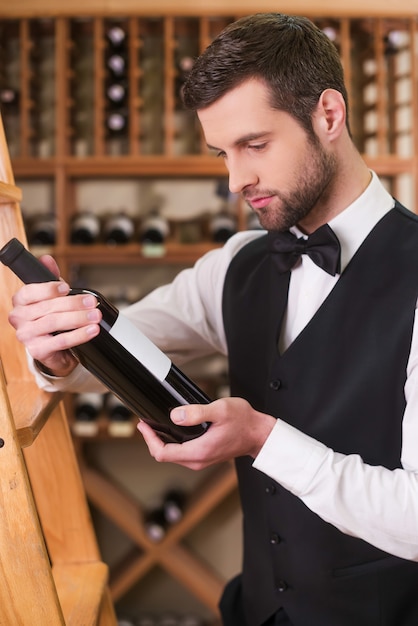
(87, 408)
(116, 90)
(169, 512)
(154, 230)
(41, 229)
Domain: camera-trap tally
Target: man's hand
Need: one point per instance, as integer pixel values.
(236, 430)
(49, 324)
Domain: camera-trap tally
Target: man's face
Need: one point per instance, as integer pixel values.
(283, 173)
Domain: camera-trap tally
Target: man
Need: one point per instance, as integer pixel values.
(323, 421)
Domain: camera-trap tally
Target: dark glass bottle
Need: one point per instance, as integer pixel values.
(155, 525)
(117, 122)
(120, 417)
(87, 408)
(222, 227)
(154, 229)
(85, 228)
(9, 97)
(118, 229)
(123, 358)
(173, 505)
(116, 93)
(42, 230)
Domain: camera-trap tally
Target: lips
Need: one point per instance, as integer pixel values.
(259, 202)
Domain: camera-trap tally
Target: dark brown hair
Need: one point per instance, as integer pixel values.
(295, 59)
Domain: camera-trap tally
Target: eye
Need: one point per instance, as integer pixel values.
(257, 147)
(221, 154)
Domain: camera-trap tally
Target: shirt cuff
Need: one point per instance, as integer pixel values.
(79, 381)
(290, 457)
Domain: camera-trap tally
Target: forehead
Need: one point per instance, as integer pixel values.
(242, 110)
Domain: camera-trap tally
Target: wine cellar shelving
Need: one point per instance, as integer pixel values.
(97, 99)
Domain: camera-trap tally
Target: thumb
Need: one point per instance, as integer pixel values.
(188, 415)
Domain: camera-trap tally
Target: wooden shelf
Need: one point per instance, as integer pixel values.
(201, 166)
(125, 512)
(30, 409)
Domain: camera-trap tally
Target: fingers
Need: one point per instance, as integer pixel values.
(47, 348)
(40, 292)
(48, 312)
(50, 263)
(48, 322)
(236, 429)
(187, 454)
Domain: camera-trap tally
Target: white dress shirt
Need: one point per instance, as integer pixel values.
(185, 320)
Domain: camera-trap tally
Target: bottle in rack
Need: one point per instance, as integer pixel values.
(117, 122)
(42, 230)
(116, 90)
(222, 226)
(155, 524)
(116, 36)
(123, 358)
(85, 228)
(120, 417)
(116, 93)
(118, 228)
(173, 505)
(154, 231)
(9, 98)
(117, 54)
(87, 408)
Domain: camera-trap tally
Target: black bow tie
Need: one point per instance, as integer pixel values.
(322, 246)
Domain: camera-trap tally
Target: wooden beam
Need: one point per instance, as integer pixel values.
(358, 8)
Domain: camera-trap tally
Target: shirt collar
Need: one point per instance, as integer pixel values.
(356, 221)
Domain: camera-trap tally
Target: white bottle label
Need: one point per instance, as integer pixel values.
(135, 342)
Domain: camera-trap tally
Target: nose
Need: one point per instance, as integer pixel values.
(240, 176)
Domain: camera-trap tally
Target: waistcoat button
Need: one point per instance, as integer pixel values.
(282, 586)
(275, 384)
(275, 539)
(271, 490)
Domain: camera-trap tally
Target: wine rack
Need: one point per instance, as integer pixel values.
(54, 99)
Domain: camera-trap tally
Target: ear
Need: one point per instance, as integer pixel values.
(330, 115)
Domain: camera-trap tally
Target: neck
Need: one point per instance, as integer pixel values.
(351, 179)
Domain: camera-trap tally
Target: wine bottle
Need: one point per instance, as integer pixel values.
(116, 93)
(154, 229)
(42, 230)
(87, 407)
(123, 358)
(118, 229)
(173, 505)
(120, 417)
(9, 97)
(116, 64)
(222, 227)
(117, 121)
(85, 228)
(116, 36)
(155, 525)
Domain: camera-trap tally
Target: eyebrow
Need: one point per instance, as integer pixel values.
(243, 139)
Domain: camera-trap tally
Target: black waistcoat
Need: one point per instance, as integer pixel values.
(342, 382)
